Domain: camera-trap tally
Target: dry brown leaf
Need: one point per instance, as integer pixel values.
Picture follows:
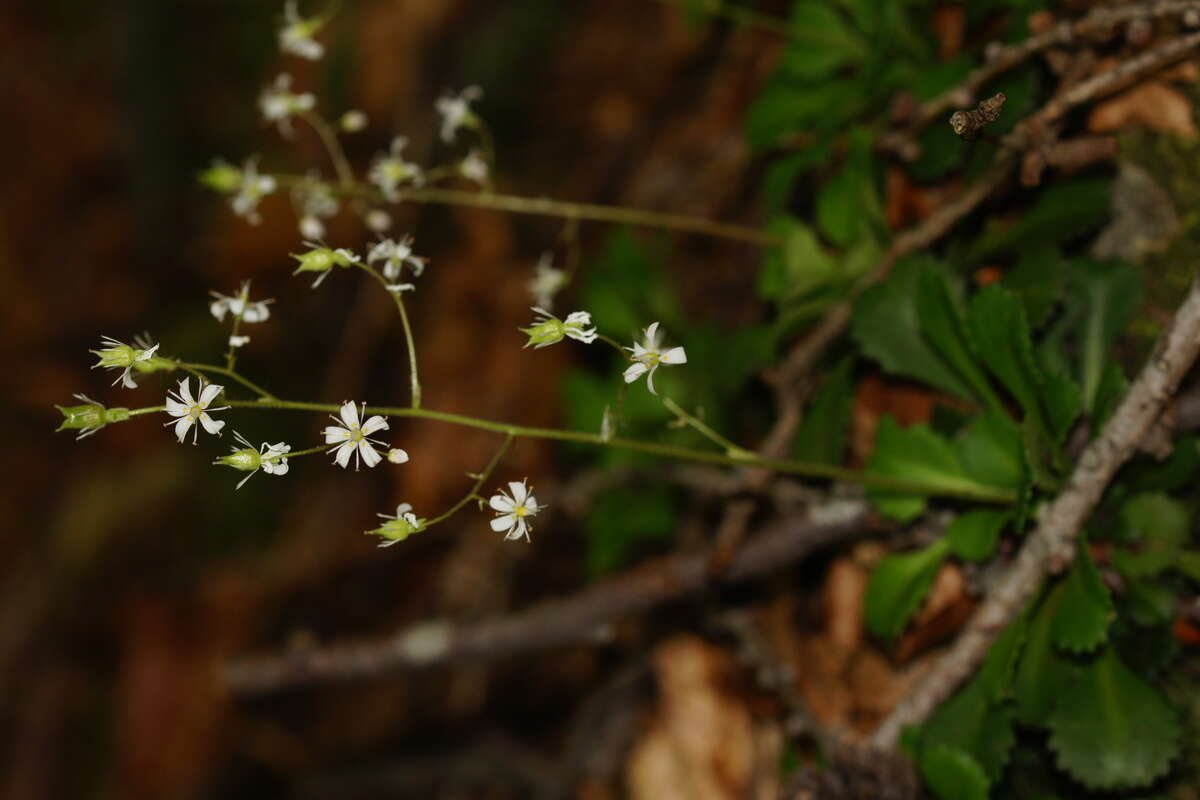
(1152, 104)
(845, 588)
(945, 611)
(701, 745)
(949, 22)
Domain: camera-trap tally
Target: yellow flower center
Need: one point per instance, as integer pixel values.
(521, 511)
(195, 411)
(356, 435)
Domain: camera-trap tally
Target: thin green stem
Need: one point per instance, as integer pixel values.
(704, 430)
(231, 353)
(962, 489)
(329, 138)
(480, 480)
(614, 344)
(137, 412)
(414, 379)
(554, 208)
(218, 370)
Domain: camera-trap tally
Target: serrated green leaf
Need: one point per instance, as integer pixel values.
(954, 775)
(998, 329)
(822, 434)
(1111, 293)
(1081, 624)
(1111, 730)
(848, 205)
(943, 327)
(992, 451)
(999, 668)
(887, 325)
(897, 587)
(915, 453)
(1061, 399)
(1042, 672)
(970, 722)
(1154, 517)
(1062, 211)
(796, 267)
(973, 535)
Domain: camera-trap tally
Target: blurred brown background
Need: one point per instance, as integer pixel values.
(132, 568)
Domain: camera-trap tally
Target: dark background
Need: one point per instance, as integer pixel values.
(131, 567)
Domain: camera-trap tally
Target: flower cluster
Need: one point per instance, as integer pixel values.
(278, 103)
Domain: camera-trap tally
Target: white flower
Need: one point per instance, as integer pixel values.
(648, 355)
(547, 281)
(394, 256)
(240, 306)
(189, 411)
(398, 527)
(239, 341)
(378, 220)
(252, 188)
(397, 456)
(550, 329)
(315, 199)
(296, 35)
(456, 111)
(351, 438)
(278, 103)
(397, 288)
(270, 458)
(118, 355)
(512, 510)
(353, 121)
(474, 167)
(389, 171)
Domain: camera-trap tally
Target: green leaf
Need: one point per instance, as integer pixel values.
(1111, 730)
(1042, 673)
(1081, 624)
(1147, 603)
(848, 205)
(822, 42)
(954, 775)
(887, 326)
(823, 431)
(971, 722)
(1153, 517)
(943, 327)
(897, 587)
(1188, 564)
(1112, 388)
(999, 668)
(918, 454)
(973, 535)
(1000, 333)
(623, 520)
(1062, 402)
(798, 266)
(1111, 293)
(1037, 280)
(992, 451)
(1063, 211)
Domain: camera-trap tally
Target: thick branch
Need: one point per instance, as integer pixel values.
(579, 618)
(1050, 547)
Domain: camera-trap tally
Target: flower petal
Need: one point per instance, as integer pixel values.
(375, 423)
(349, 413)
(185, 392)
(209, 393)
(211, 425)
(519, 491)
(504, 523)
(502, 503)
(335, 434)
(182, 426)
(675, 355)
(175, 408)
(650, 381)
(342, 458)
(651, 333)
(635, 371)
(369, 454)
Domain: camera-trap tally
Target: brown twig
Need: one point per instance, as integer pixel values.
(1050, 547)
(579, 618)
(969, 124)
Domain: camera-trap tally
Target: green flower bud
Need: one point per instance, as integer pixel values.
(222, 177)
(545, 333)
(398, 528)
(117, 356)
(89, 417)
(247, 459)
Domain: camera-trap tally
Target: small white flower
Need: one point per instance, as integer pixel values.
(252, 188)
(315, 199)
(270, 458)
(397, 456)
(239, 341)
(474, 167)
(456, 111)
(395, 255)
(550, 329)
(296, 35)
(513, 510)
(547, 281)
(351, 438)
(278, 103)
(118, 355)
(189, 411)
(398, 527)
(240, 306)
(388, 172)
(648, 355)
(353, 121)
(378, 220)
(397, 288)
